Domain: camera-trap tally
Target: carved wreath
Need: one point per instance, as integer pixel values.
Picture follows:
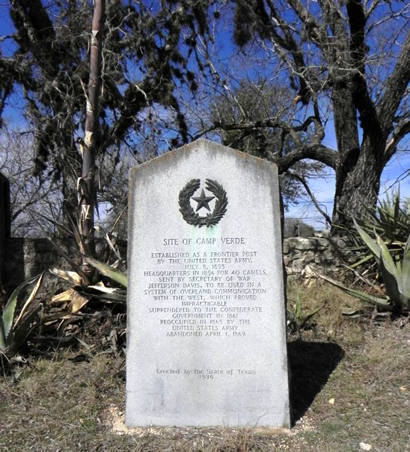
(188, 213)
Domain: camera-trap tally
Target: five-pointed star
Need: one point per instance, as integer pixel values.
(203, 201)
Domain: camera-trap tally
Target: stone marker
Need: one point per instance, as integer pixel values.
(5, 221)
(206, 315)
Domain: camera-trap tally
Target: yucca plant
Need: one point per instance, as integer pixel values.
(395, 273)
(19, 317)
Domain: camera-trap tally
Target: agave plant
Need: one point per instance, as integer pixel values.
(80, 292)
(108, 271)
(391, 221)
(19, 317)
(394, 271)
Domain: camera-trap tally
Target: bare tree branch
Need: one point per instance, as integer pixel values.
(401, 129)
(311, 196)
(395, 87)
(319, 152)
(363, 102)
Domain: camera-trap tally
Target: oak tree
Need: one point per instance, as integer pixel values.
(351, 57)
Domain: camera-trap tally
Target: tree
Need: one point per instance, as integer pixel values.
(330, 50)
(234, 112)
(27, 196)
(114, 194)
(86, 186)
(143, 61)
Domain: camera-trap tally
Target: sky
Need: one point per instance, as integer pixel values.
(393, 177)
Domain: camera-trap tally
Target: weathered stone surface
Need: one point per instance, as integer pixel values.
(4, 222)
(301, 243)
(26, 258)
(322, 255)
(206, 318)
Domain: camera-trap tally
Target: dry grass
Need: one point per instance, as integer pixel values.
(350, 385)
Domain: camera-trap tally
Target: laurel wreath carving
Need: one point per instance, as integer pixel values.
(188, 213)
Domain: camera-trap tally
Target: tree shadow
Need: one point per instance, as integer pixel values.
(310, 364)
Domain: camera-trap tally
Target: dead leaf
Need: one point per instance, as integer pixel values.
(77, 302)
(104, 289)
(70, 276)
(62, 296)
(30, 298)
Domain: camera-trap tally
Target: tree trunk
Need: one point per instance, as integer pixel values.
(86, 187)
(70, 200)
(357, 187)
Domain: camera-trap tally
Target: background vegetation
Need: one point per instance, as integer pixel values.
(148, 78)
(274, 76)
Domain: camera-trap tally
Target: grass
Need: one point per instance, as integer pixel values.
(350, 385)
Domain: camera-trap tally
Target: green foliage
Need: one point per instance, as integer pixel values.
(382, 303)
(108, 271)
(395, 273)
(391, 221)
(146, 53)
(81, 292)
(19, 317)
(297, 320)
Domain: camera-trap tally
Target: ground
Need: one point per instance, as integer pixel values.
(349, 379)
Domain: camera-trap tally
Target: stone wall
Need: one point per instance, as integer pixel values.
(305, 255)
(28, 257)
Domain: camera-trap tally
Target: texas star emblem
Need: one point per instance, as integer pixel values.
(193, 217)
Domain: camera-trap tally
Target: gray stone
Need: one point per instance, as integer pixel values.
(4, 222)
(301, 243)
(323, 243)
(308, 256)
(206, 315)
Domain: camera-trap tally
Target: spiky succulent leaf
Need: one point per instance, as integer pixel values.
(30, 298)
(8, 312)
(109, 272)
(7, 317)
(371, 244)
(20, 333)
(2, 336)
(378, 301)
(362, 261)
(405, 276)
(405, 265)
(396, 277)
(70, 276)
(386, 258)
(116, 295)
(389, 271)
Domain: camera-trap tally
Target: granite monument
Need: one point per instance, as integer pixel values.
(206, 314)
